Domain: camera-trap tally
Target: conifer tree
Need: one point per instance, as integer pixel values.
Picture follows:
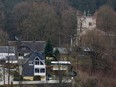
(56, 54)
(48, 49)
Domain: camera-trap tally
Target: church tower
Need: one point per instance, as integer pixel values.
(84, 22)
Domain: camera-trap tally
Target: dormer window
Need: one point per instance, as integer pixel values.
(37, 61)
(41, 63)
(30, 63)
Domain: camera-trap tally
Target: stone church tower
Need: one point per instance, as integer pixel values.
(84, 22)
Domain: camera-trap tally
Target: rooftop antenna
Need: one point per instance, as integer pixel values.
(16, 38)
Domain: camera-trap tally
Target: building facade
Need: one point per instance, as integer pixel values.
(34, 67)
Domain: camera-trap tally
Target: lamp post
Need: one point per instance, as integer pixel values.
(8, 64)
(19, 62)
(2, 64)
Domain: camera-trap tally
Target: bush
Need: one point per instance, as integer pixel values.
(19, 78)
(91, 83)
(48, 62)
(37, 78)
(16, 74)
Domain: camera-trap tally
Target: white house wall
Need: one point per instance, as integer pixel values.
(40, 67)
(60, 67)
(4, 55)
(83, 22)
(39, 74)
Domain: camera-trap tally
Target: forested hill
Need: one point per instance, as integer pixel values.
(43, 19)
(92, 5)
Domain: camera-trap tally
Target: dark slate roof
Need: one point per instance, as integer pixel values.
(24, 49)
(7, 49)
(32, 55)
(33, 45)
(63, 50)
(13, 57)
(29, 70)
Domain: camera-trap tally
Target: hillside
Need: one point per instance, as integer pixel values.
(93, 58)
(43, 19)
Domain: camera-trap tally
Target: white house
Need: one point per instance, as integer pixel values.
(60, 65)
(34, 67)
(60, 68)
(8, 52)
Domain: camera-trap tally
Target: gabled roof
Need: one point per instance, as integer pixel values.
(27, 69)
(63, 50)
(36, 54)
(24, 49)
(11, 57)
(33, 45)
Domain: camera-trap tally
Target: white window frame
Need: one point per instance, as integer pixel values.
(30, 63)
(39, 61)
(39, 70)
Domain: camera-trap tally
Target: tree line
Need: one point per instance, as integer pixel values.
(44, 19)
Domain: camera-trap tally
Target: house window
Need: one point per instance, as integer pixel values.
(42, 70)
(90, 23)
(36, 70)
(21, 54)
(41, 63)
(64, 66)
(2, 61)
(37, 61)
(30, 63)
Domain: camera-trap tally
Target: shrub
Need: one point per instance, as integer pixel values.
(37, 78)
(19, 78)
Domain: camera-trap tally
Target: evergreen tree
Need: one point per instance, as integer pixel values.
(48, 49)
(56, 54)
